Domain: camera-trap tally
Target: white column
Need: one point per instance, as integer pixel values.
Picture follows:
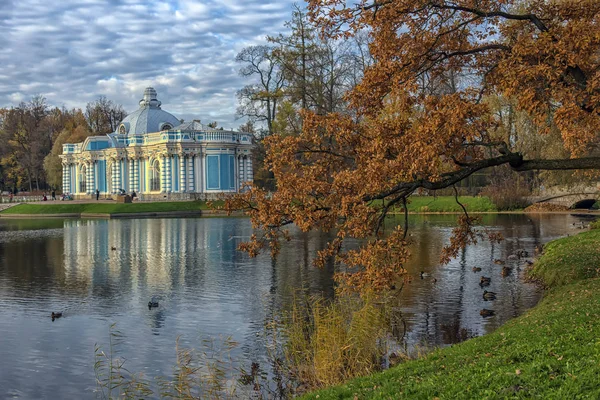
(93, 177)
(191, 165)
(182, 180)
(88, 178)
(203, 173)
(169, 174)
(131, 175)
(241, 171)
(118, 174)
(136, 176)
(163, 175)
(249, 170)
(115, 180)
(64, 178)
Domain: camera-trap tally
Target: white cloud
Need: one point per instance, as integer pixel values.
(72, 51)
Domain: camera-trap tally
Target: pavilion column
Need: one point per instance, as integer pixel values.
(169, 174)
(131, 174)
(163, 175)
(182, 180)
(88, 178)
(93, 177)
(191, 184)
(135, 183)
(203, 173)
(119, 173)
(115, 178)
(64, 178)
(241, 172)
(249, 171)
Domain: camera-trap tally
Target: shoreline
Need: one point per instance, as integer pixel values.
(543, 353)
(133, 215)
(220, 213)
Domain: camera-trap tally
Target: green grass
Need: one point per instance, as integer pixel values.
(448, 204)
(106, 208)
(551, 352)
(570, 259)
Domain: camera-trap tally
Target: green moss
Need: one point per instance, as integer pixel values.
(106, 208)
(551, 352)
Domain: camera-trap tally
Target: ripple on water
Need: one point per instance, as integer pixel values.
(207, 289)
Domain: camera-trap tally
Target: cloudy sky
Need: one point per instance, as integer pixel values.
(72, 51)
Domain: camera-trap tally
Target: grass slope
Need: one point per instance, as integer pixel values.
(105, 208)
(448, 204)
(551, 352)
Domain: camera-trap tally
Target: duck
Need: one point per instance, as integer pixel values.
(506, 271)
(476, 269)
(499, 262)
(486, 313)
(113, 248)
(489, 295)
(55, 315)
(153, 302)
(485, 280)
(424, 275)
(521, 253)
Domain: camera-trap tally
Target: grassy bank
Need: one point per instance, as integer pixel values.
(551, 352)
(105, 208)
(448, 204)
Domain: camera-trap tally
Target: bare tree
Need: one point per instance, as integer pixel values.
(258, 101)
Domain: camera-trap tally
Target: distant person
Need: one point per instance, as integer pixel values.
(45, 198)
(53, 195)
(133, 195)
(97, 195)
(11, 197)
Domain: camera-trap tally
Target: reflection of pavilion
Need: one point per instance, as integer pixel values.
(154, 252)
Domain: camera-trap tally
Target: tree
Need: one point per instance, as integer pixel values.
(27, 140)
(75, 130)
(345, 172)
(258, 101)
(103, 116)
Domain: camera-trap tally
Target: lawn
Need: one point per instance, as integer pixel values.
(106, 208)
(448, 204)
(551, 352)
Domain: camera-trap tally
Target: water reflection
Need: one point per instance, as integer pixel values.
(103, 271)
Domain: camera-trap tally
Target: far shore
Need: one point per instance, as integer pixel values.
(108, 209)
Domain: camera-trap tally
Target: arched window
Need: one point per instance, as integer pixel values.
(166, 127)
(122, 130)
(155, 176)
(82, 179)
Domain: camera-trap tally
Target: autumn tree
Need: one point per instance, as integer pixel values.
(74, 130)
(346, 171)
(27, 138)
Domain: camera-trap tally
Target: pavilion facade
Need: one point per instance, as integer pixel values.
(157, 156)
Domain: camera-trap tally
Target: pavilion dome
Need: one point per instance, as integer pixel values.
(148, 118)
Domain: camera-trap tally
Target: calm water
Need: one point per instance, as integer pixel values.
(208, 289)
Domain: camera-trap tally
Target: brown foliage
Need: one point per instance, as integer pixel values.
(417, 119)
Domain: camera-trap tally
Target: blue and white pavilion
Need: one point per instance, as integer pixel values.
(155, 155)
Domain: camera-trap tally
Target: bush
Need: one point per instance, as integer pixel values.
(507, 189)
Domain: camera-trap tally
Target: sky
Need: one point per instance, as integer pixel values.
(72, 51)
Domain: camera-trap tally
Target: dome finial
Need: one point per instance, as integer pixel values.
(150, 99)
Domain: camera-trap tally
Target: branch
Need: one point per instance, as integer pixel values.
(515, 160)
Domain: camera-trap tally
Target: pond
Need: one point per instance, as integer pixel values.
(100, 272)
